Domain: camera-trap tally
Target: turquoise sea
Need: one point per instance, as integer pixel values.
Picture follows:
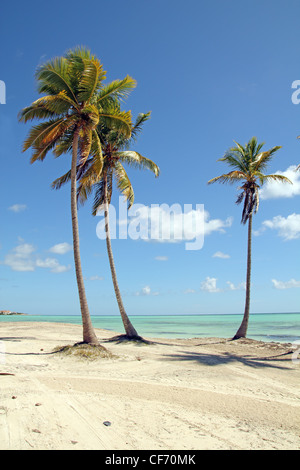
(279, 327)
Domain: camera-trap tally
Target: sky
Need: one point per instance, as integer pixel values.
(211, 73)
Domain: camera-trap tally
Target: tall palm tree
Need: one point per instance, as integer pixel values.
(75, 102)
(99, 176)
(248, 164)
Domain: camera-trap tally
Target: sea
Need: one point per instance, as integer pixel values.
(277, 327)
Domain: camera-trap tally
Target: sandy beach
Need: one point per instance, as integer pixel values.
(169, 395)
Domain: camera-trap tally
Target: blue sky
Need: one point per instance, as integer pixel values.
(210, 72)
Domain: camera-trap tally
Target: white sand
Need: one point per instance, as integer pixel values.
(174, 394)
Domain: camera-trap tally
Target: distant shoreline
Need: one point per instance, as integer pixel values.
(12, 313)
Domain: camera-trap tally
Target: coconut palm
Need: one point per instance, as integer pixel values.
(248, 164)
(99, 177)
(75, 102)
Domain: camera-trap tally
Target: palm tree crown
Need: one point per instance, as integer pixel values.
(248, 164)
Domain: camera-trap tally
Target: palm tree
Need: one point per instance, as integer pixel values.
(248, 164)
(75, 102)
(114, 148)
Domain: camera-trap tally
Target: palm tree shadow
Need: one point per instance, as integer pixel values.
(276, 362)
(127, 339)
(16, 339)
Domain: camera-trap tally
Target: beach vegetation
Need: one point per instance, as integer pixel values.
(248, 164)
(84, 351)
(75, 100)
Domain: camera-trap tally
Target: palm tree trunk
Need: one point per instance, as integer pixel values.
(89, 335)
(242, 331)
(129, 329)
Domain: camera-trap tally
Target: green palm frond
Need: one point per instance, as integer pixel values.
(248, 162)
(54, 77)
(119, 89)
(123, 183)
(47, 106)
(140, 120)
(239, 149)
(61, 181)
(230, 178)
(44, 137)
(120, 121)
(85, 144)
(264, 178)
(91, 78)
(39, 132)
(64, 145)
(234, 159)
(136, 160)
(262, 159)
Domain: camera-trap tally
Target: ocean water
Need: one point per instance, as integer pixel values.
(279, 327)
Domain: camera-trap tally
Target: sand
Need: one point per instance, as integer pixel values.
(193, 394)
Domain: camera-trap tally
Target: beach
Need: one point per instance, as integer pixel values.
(168, 394)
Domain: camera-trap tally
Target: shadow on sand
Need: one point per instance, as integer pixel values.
(210, 359)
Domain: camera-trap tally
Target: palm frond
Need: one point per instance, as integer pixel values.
(61, 181)
(38, 132)
(234, 159)
(45, 136)
(136, 160)
(123, 183)
(47, 106)
(90, 80)
(35, 112)
(120, 121)
(118, 88)
(262, 159)
(230, 178)
(141, 118)
(275, 177)
(53, 78)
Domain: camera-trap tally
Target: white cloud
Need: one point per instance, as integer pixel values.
(276, 189)
(61, 248)
(95, 278)
(285, 285)
(170, 224)
(221, 255)
(52, 264)
(241, 286)
(189, 291)
(23, 258)
(146, 290)
(17, 208)
(288, 227)
(161, 258)
(210, 285)
(20, 258)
